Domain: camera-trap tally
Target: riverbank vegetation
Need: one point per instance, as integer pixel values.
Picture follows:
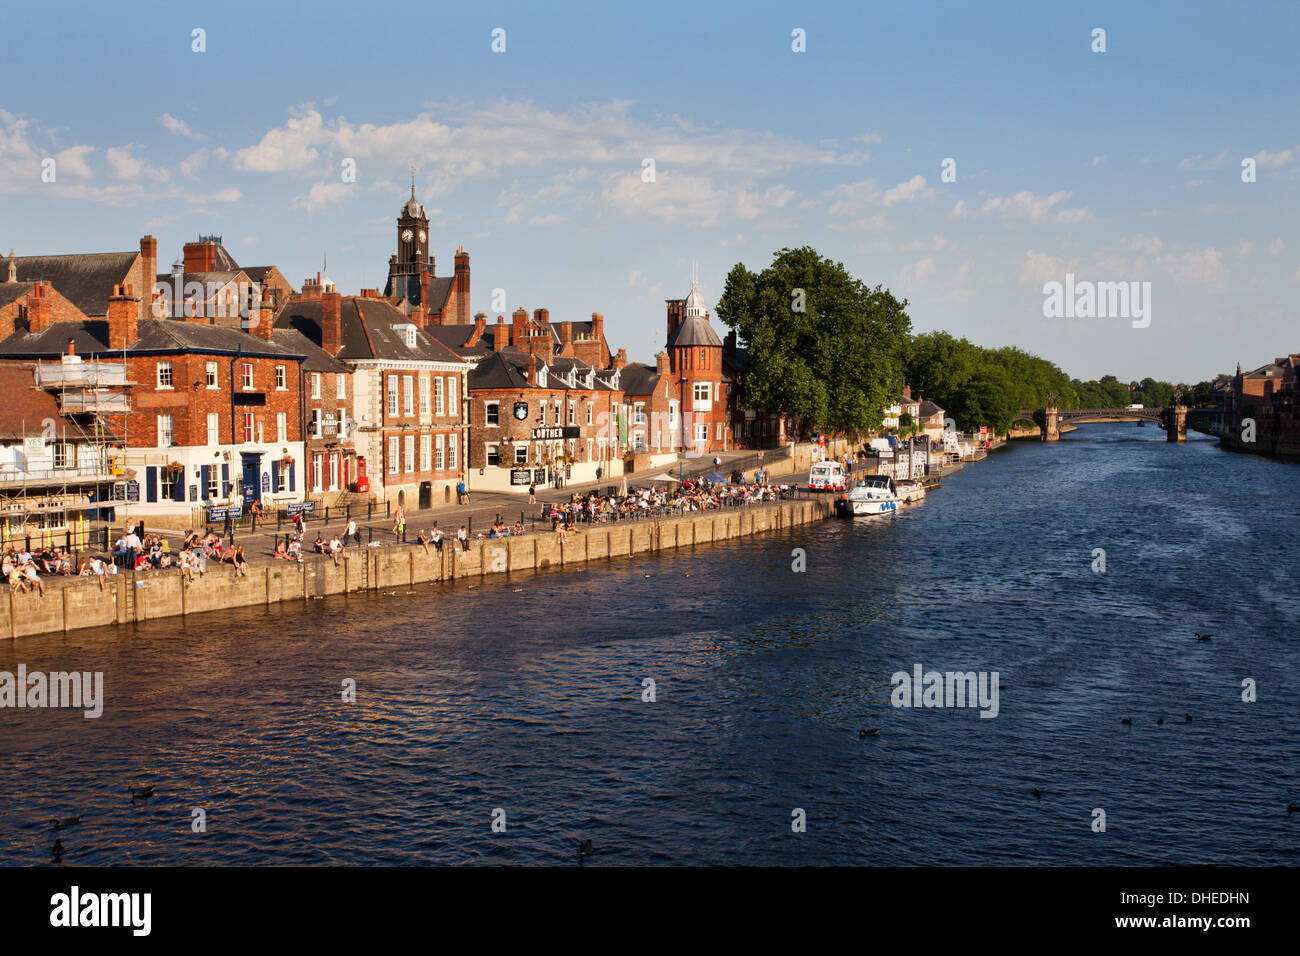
(832, 353)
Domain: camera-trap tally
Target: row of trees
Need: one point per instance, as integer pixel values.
(831, 352)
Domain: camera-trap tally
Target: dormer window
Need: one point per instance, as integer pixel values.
(408, 334)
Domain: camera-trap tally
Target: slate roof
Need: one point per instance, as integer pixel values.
(509, 369)
(85, 280)
(929, 409)
(12, 291)
(367, 330)
(454, 337)
(316, 360)
(695, 331)
(154, 336)
(639, 378)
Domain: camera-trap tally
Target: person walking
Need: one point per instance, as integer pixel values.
(532, 493)
(353, 532)
(462, 493)
(399, 524)
(299, 524)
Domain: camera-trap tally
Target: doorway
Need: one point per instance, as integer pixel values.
(426, 495)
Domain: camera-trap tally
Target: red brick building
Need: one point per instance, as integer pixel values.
(208, 415)
(695, 361)
(405, 435)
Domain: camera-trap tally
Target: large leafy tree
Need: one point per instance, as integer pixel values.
(823, 347)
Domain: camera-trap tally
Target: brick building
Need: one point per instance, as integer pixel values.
(208, 415)
(535, 416)
(407, 434)
(653, 405)
(212, 287)
(87, 280)
(695, 361)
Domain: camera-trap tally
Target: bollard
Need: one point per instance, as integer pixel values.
(370, 510)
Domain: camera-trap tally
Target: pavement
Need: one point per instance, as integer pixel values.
(483, 509)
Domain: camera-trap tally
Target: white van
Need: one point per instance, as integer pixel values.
(826, 476)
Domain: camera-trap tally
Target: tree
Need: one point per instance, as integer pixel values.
(823, 347)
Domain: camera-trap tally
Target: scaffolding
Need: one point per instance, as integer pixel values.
(56, 504)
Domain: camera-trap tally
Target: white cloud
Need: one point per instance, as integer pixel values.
(1200, 162)
(123, 165)
(179, 127)
(321, 195)
(911, 189)
(1276, 246)
(1098, 160)
(1149, 245)
(1025, 205)
(1267, 159)
(959, 211)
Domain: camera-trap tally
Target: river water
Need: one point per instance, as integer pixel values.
(523, 699)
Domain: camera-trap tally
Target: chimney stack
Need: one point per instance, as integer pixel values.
(331, 321)
(661, 363)
(262, 318)
(519, 323)
(620, 360)
(597, 326)
(200, 256)
(72, 347)
(462, 290)
(311, 289)
(480, 323)
(566, 337)
(149, 263)
(674, 317)
(38, 309)
(532, 369)
(418, 317)
(500, 334)
(123, 317)
(907, 392)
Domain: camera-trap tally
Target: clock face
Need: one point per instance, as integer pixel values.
(422, 236)
(521, 410)
(406, 235)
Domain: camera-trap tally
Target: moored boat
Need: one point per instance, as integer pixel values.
(871, 495)
(910, 491)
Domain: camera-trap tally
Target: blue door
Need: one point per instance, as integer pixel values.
(252, 478)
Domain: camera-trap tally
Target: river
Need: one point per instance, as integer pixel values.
(521, 700)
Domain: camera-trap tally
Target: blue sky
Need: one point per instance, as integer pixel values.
(1115, 166)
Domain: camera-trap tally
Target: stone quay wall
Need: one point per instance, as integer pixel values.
(128, 597)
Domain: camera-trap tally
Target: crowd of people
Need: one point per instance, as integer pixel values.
(132, 550)
(691, 495)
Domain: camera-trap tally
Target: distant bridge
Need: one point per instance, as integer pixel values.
(1173, 418)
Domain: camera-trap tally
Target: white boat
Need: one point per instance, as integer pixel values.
(872, 495)
(910, 491)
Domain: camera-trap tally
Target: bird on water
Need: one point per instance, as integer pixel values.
(868, 732)
(141, 793)
(65, 822)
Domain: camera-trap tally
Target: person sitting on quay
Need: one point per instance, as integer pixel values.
(436, 537)
(319, 546)
(33, 577)
(96, 567)
(336, 546)
(423, 540)
(462, 539)
(241, 565)
(280, 550)
(17, 580)
(295, 550)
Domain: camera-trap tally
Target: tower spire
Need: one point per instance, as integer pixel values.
(412, 167)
